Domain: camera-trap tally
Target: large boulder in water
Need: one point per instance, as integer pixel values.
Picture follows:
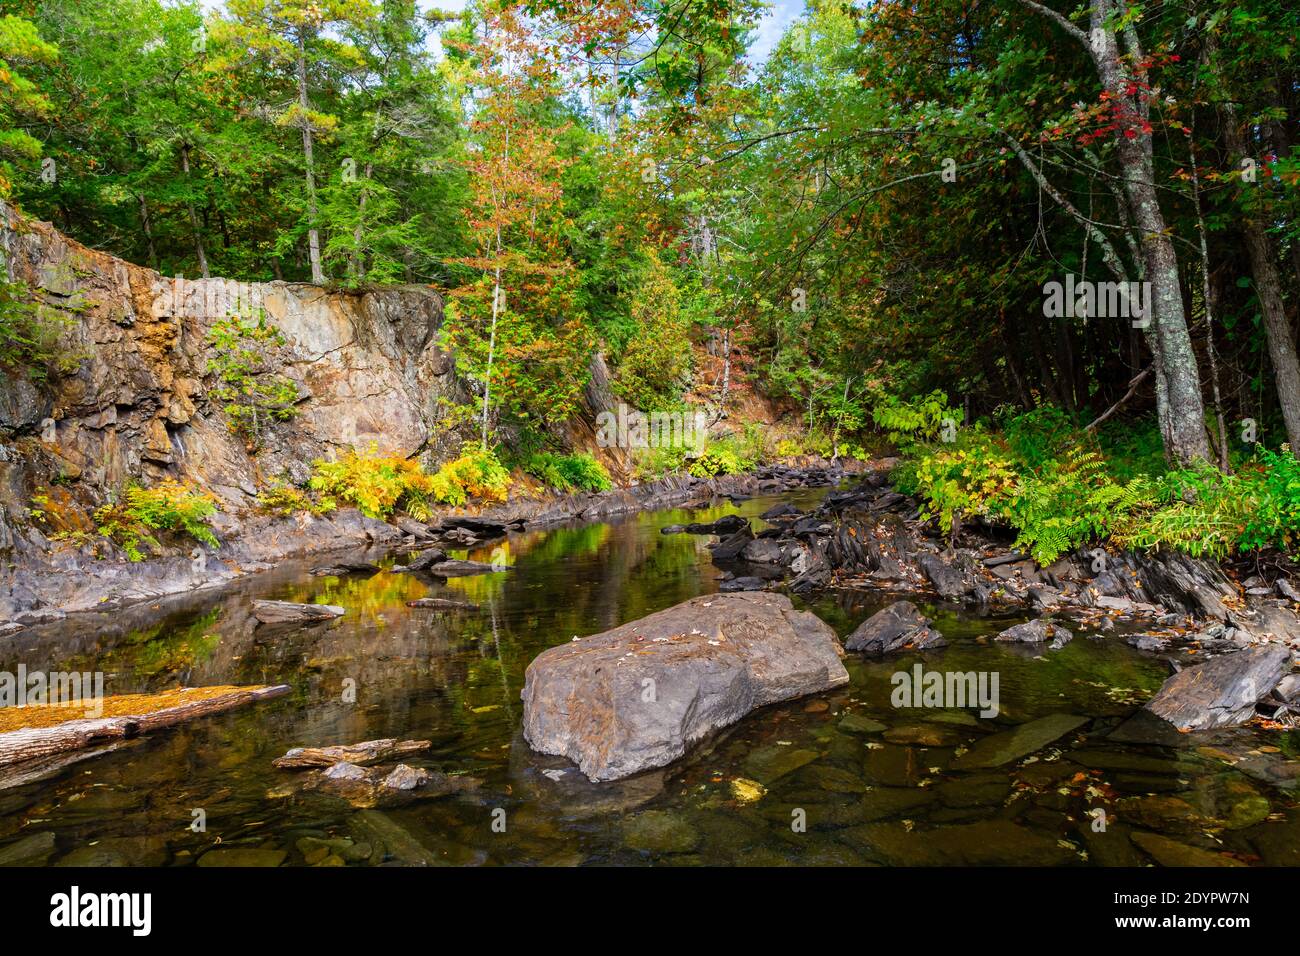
(638, 696)
(1221, 692)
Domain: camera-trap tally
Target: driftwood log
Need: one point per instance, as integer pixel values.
(32, 742)
(443, 604)
(371, 751)
(286, 612)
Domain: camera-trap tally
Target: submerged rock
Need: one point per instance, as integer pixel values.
(1169, 852)
(345, 567)
(32, 850)
(1223, 691)
(658, 831)
(745, 583)
(898, 627)
(1018, 742)
(638, 696)
(988, 843)
(242, 857)
(771, 763)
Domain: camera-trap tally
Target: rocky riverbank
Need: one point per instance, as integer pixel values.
(42, 585)
(1185, 609)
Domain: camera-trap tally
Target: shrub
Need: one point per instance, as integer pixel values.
(657, 358)
(375, 484)
(168, 506)
(284, 499)
(1048, 481)
(477, 473)
(242, 361)
(918, 420)
(720, 458)
(662, 460)
(569, 472)
(29, 336)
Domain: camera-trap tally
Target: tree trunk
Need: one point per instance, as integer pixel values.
(147, 226)
(194, 216)
(1268, 286)
(313, 234)
(358, 261)
(1178, 387)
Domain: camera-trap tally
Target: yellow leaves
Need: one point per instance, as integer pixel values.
(746, 790)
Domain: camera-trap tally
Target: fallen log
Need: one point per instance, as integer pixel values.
(286, 612)
(124, 716)
(456, 569)
(443, 604)
(371, 751)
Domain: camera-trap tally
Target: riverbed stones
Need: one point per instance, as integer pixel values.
(1021, 741)
(640, 695)
(658, 831)
(1169, 852)
(32, 850)
(923, 735)
(1223, 691)
(898, 627)
(853, 723)
(242, 857)
(732, 546)
(287, 612)
(987, 843)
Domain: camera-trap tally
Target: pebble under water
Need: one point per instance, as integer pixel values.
(842, 778)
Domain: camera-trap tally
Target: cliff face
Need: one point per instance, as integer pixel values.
(139, 404)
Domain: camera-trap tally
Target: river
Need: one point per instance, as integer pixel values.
(812, 781)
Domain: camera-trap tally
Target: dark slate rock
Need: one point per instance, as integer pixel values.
(1221, 692)
(899, 626)
(726, 525)
(422, 562)
(731, 547)
(1035, 632)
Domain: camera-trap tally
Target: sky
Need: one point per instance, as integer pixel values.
(773, 24)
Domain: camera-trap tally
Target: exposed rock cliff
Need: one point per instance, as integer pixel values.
(139, 403)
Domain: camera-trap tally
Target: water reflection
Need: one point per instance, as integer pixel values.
(454, 677)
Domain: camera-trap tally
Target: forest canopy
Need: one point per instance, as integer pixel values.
(904, 214)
